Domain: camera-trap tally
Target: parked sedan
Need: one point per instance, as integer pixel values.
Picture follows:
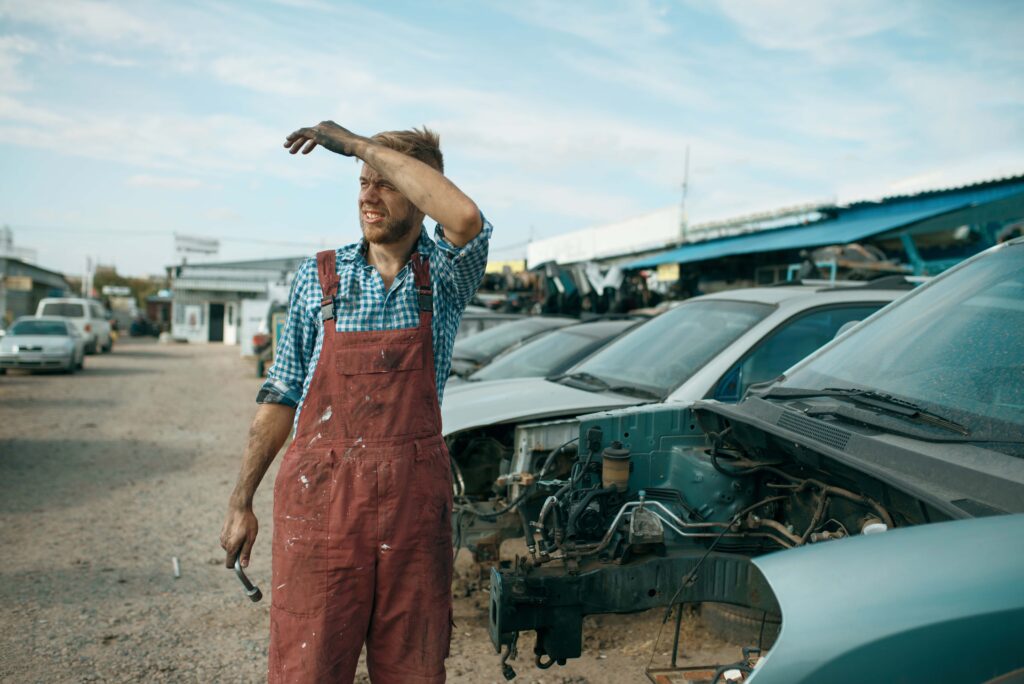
(550, 353)
(472, 353)
(711, 346)
(42, 343)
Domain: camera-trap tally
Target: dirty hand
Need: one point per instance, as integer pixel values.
(327, 134)
(239, 532)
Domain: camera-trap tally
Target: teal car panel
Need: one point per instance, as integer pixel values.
(942, 602)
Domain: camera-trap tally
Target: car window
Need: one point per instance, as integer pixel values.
(39, 328)
(795, 339)
(664, 352)
(954, 346)
(486, 344)
(97, 312)
(541, 356)
(69, 309)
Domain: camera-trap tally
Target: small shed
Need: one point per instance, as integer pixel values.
(207, 299)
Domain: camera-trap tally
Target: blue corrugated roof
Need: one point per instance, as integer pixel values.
(850, 225)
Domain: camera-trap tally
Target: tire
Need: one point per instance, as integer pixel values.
(81, 362)
(91, 348)
(740, 625)
(3, 371)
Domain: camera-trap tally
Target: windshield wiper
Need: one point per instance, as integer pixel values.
(585, 379)
(874, 399)
(635, 391)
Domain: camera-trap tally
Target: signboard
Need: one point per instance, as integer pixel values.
(190, 244)
(18, 283)
(668, 273)
(117, 290)
(193, 316)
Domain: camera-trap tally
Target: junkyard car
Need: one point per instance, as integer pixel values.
(871, 499)
(550, 353)
(710, 346)
(42, 343)
(476, 351)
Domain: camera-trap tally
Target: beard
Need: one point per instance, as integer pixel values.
(389, 231)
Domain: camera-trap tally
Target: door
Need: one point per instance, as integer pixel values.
(216, 322)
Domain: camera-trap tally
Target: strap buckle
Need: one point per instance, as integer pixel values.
(426, 299)
(327, 308)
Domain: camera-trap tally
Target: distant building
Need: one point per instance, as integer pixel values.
(924, 234)
(227, 302)
(23, 285)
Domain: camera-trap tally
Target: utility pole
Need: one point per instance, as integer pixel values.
(683, 220)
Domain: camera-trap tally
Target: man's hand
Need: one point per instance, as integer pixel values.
(239, 532)
(328, 135)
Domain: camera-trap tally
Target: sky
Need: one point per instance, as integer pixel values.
(123, 123)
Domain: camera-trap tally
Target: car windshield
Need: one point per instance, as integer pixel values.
(485, 345)
(661, 354)
(39, 328)
(69, 309)
(955, 347)
(546, 354)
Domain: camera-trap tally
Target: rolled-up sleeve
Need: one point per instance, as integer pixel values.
(462, 268)
(286, 377)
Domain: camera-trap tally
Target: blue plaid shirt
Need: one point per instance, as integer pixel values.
(362, 304)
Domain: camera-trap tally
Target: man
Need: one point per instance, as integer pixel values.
(362, 501)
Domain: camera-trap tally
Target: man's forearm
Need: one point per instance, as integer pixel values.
(268, 432)
(427, 188)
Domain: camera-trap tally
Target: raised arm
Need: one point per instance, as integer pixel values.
(425, 187)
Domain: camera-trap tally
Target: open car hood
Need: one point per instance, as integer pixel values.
(477, 404)
(935, 602)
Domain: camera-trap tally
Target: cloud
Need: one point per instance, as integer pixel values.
(13, 48)
(166, 182)
(822, 28)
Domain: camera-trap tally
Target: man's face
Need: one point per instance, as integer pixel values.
(385, 215)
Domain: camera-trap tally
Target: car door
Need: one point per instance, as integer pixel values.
(787, 344)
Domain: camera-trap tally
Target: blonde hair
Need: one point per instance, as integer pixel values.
(419, 143)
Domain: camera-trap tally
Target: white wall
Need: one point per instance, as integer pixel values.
(252, 319)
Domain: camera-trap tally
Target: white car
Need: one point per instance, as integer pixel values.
(709, 347)
(42, 343)
(88, 317)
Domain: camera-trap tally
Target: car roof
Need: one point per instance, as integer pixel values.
(779, 294)
(598, 329)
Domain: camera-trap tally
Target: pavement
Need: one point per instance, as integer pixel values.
(108, 475)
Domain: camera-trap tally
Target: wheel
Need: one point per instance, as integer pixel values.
(740, 625)
(3, 371)
(81, 362)
(91, 347)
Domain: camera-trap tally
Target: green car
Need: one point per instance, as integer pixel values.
(871, 500)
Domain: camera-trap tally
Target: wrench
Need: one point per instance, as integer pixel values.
(251, 590)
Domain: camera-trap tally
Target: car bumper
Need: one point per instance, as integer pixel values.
(37, 361)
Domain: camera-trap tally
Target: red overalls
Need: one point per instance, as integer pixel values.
(362, 545)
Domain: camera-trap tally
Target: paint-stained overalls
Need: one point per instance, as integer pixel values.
(362, 546)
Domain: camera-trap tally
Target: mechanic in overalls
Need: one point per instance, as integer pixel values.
(362, 546)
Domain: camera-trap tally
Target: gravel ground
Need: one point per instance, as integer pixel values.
(108, 474)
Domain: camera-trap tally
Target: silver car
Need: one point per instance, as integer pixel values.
(714, 346)
(42, 343)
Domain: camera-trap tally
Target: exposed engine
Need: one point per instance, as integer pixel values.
(655, 510)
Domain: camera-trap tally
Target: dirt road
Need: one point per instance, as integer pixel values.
(108, 474)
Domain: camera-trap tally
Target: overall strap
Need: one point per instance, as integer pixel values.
(327, 270)
(424, 291)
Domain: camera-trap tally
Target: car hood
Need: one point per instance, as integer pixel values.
(475, 404)
(34, 341)
(934, 602)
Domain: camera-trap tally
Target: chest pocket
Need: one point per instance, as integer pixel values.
(396, 355)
